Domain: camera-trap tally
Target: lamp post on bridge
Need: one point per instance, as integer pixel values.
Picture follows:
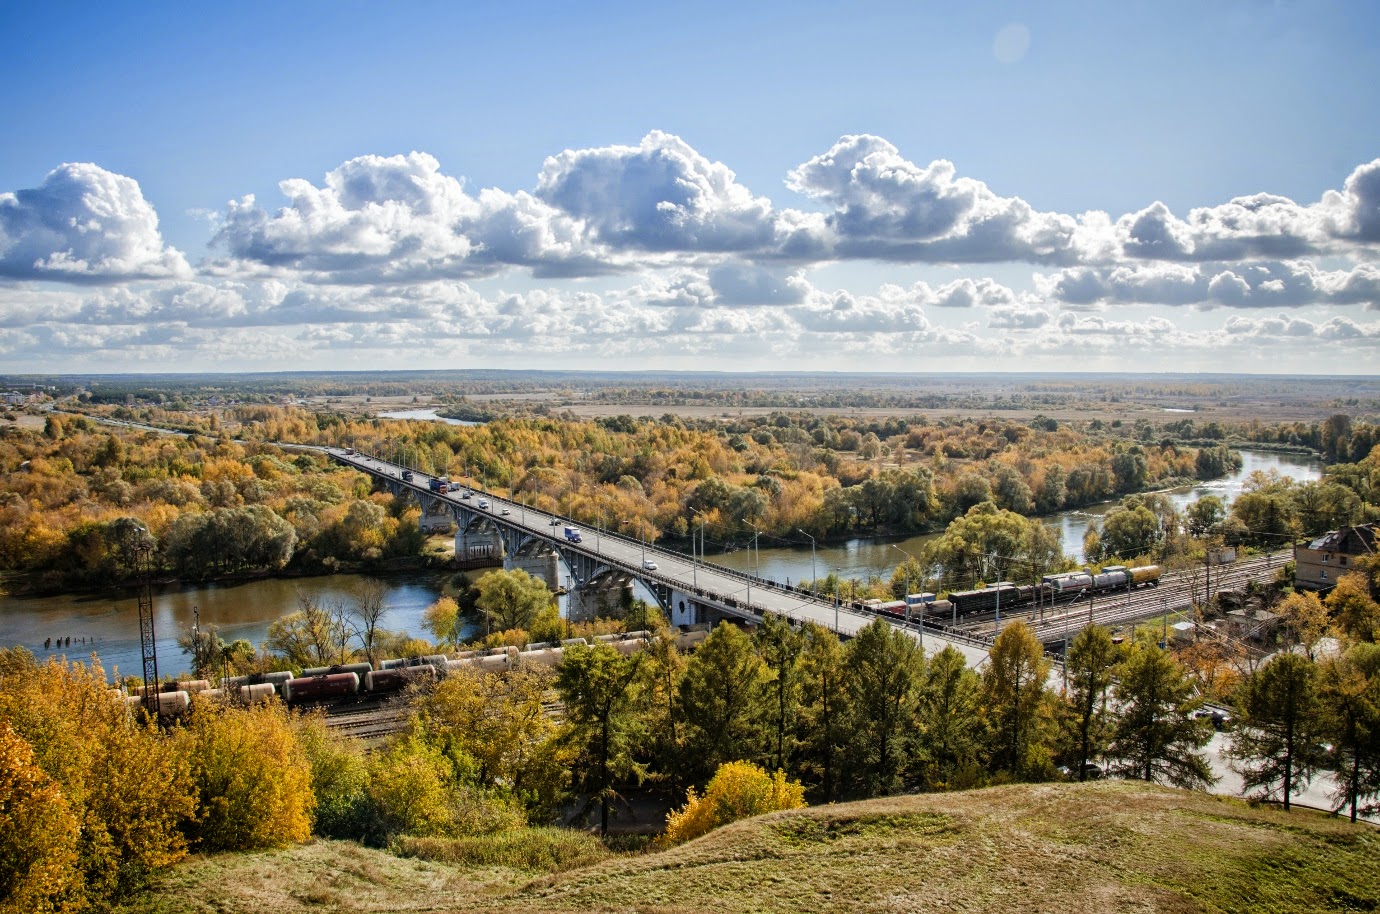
(838, 582)
(906, 596)
(695, 563)
(813, 586)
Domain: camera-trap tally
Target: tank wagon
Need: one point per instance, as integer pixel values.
(1052, 588)
(361, 679)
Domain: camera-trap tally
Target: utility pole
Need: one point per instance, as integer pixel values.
(813, 587)
(139, 544)
(906, 596)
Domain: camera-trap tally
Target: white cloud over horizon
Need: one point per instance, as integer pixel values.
(654, 251)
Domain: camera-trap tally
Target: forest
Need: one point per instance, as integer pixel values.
(220, 500)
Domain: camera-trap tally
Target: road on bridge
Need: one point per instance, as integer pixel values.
(721, 586)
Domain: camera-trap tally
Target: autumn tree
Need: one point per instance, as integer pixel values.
(87, 743)
(1353, 603)
(442, 619)
(1349, 690)
(1091, 662)
(1278, 725)
(737, 790)
(950, 721)
(367, 611)
(496, 734)
(780, 646)
(339, 778)
(409, 788)
(38, 836)
(663, 734)
(1305, 617)
(1155, 736)
(823, 706)
(251, 777)
(512, 599)
(317, 634)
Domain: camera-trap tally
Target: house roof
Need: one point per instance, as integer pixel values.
(1358, 540)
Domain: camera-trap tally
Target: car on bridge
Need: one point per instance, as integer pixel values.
(649, 564)
(505, 512)
(484, 504)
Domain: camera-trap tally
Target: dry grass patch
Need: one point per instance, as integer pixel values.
(1072, 849)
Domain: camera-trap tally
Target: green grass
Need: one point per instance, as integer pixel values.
(538, 850)
(1073, 848)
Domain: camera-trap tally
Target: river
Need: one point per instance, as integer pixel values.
(429, 415)
(245, 610)
(864, 556)
(110, 623)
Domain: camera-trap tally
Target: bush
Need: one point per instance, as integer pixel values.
(252, 779)
(409, 793)
(738, 790)
(339, 779)
(84, 739)
(38, 836)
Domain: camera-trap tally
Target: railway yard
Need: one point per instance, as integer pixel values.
(1176, 592)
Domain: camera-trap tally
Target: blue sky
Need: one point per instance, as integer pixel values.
(723, 185)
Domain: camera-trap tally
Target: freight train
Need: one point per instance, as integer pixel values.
(391, 676)
(1053, 588)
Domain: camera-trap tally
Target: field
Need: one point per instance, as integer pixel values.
(1092, 848)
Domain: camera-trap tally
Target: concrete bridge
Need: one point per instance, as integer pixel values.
(602, 564)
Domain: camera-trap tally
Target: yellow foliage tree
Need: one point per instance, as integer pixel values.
(38, 836)
(738, 790)
(251, 776)
(126, 785)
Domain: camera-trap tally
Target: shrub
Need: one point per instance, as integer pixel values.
(252, 779)
(38, 836)
(339, 779)
(738, 790)
(84, 739)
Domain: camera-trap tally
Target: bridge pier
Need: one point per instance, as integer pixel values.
(478, 544)
(604, 596)
(542, 565)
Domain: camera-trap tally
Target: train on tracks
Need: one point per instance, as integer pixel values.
(1053, 588)
(363, 680)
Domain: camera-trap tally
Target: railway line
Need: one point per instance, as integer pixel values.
(1176, 592)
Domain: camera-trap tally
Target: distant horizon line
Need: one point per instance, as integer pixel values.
(630, 373)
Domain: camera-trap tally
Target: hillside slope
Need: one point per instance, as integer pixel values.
(1068, 848)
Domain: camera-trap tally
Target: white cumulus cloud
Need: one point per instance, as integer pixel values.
(83, 224)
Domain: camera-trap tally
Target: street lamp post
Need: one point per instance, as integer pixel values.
(813, 587)
(838, 580)
(906, 596)
(695, 563)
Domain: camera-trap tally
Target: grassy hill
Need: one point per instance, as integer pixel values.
(1070, 849)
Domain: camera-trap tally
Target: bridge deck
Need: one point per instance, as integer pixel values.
(725, 589)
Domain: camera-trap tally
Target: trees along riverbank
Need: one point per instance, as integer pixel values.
(220, 508)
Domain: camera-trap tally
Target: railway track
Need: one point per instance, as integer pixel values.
(1177, 592)
(374, 721)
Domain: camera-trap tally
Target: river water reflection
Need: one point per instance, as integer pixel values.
(110, 623)
(245, 610)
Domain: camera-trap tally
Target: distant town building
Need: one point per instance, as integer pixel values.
(1318, 565)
